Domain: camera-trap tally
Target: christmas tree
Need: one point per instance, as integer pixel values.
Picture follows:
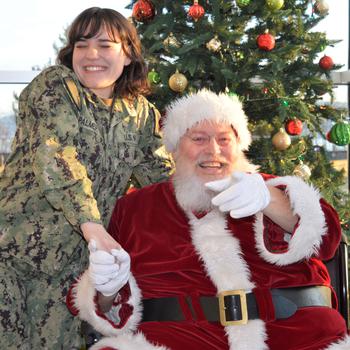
(268, 53)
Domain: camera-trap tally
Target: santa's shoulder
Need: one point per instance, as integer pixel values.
(148, 192)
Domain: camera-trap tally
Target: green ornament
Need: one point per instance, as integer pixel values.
(275, 4)
(301, 158)
(340, 134)
(238, 55)
(153, 77)
(232, 94)
(284, 103)
(242, 3)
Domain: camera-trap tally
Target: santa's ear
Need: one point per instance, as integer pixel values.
(175, 154)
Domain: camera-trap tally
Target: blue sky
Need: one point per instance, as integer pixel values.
(29, 28)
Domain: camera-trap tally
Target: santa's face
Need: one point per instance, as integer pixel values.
(208, 151)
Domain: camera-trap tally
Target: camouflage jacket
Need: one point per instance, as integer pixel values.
(72, 157)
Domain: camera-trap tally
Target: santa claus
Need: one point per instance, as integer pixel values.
(218, 257)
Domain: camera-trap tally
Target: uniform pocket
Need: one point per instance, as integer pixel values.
(128, 147)
(129, 153)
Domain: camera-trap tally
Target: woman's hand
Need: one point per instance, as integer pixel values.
(104, 241)
(109, 272)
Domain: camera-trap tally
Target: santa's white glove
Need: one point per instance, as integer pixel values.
(109, 272)
(241, 194)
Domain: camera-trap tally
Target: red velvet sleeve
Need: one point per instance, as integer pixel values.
(331, 240)
(275, 242)
(113, 226)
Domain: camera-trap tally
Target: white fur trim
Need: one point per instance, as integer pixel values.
(127, 342)
(307, 238)
(251, 336)
(186, 111)
(220, 252)
(222, 257)
(340, 345)
(84, 294)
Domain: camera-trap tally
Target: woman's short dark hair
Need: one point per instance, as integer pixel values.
(133, 80)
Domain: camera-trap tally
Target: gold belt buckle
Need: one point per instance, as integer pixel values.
(243, 299)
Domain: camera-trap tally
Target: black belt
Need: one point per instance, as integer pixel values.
(237, 307)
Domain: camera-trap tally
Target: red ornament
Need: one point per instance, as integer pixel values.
(328, 136)
(294, 126)
(326, 63)
(265, 42)
(196, 11)
(143, 10)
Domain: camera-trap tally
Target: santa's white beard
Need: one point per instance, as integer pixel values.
(191, 193)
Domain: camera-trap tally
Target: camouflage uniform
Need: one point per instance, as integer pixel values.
(72, 157)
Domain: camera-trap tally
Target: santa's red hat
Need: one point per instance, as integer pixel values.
(185, 112)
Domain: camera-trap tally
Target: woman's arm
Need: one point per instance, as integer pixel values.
(57, 165)
(156, 164)
(95, 231)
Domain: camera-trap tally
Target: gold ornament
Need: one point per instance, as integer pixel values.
(303, 171)
(171, 42)
(321, 7)
(275, 4)
(214, 44)
(178, 82)
(281, 140)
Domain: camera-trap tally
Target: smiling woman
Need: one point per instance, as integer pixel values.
(105, 54)
(84, 132)
(99, 61)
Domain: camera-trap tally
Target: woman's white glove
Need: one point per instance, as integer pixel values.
(109, 272)
(241, 194)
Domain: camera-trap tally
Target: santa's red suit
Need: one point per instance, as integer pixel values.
(187, 255)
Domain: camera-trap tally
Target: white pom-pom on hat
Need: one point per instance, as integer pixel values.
(185, 112)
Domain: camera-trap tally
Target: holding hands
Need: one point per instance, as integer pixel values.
(109, 272)
(241, 194)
